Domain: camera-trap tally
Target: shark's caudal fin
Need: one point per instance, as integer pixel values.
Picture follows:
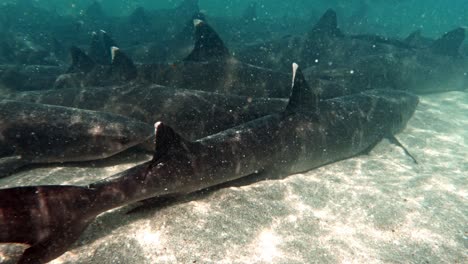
(302, 96)
(327, 25)
(122, 66)
(49, 218)
(9, 165)
(449, 44)
(80, 61)
(208, 44)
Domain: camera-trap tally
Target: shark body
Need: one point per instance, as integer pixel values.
(209, 67)
(367, 61)
(307, 134)
(195, 113)
(37, 133)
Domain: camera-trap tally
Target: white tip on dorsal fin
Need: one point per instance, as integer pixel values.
(113, 51)
(302, 98)
(103, 31)
(156, 125)
(197, 22)
(208, 44)
(166, 139)
(295, 66)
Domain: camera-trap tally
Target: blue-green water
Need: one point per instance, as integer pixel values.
(394, 17)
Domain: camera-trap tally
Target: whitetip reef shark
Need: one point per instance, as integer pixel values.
(367, 61)
(209, 67)
(33, 133)
(307, 134)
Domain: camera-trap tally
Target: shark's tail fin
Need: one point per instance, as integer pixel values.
(49, 218)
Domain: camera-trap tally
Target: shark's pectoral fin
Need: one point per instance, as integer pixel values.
(395, 141)
(9, 165)
(208, 44)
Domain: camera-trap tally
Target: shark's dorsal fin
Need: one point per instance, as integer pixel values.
(413, 36)
(94, 11)
(96, 49)
(138, 18)
(122, 66)
(250, 13)
(302, 96)
(327, 24)
(449, 43)
(107, 42)
(80, 61)
(166, 139)
(208, 44)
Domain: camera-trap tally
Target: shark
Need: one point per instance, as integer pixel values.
(326, 45)
(164, 26)
(368, 61)
(431, 69)
(29, 77)
(307, 134)
(209, 67)
(32, 133)
(195, 113)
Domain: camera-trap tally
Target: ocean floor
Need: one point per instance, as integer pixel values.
(376, 208)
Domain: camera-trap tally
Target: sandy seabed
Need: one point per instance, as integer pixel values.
(376, 208)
